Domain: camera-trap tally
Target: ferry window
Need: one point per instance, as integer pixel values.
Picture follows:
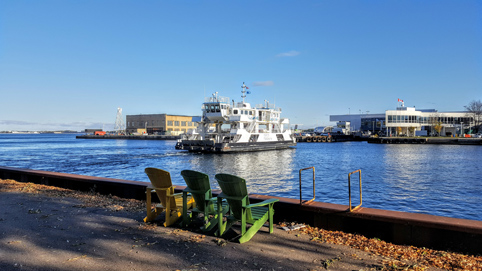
(212, 108)
(217, 108)
(250, 113)
(169, 122)
(389, 118)
(176, 123)
(235, 111)
(206, 107)
(183, 123)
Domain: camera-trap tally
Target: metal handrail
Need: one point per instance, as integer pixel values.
(301, 197)
(349, 189)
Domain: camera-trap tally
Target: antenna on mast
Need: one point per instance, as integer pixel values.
(243, 91)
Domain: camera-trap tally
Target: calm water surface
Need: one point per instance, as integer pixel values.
(433, 179)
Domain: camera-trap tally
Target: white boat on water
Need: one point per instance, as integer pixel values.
(229, 127)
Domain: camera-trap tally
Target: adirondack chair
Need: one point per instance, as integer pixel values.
(171, 204)
(235, 191)
(199, 187)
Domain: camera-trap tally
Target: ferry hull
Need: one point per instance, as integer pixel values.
(208, 146)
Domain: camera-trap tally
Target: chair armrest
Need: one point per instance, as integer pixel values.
(156, 188)
(224, 196)
(263, 203)
(177, 195)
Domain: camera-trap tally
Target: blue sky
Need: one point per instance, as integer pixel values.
(71, 64)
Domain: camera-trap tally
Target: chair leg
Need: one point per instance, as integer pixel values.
(172, 218)
(151, 215)
(168, 219)
(271, 213)
(243, 222)
(186, 218)
(253, 229)
(222, 226)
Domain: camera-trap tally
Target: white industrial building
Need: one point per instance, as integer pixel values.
(408, 121)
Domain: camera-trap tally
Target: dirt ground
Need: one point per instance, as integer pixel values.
(65, 231)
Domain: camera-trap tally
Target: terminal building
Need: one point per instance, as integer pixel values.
(408, 121)
(160, 124)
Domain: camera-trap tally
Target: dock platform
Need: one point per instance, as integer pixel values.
(426, 140)
(138, 137)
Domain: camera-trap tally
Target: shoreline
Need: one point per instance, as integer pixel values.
(393, 226)
(89, 231)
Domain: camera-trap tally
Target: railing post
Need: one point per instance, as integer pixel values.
(349, 190)
(301, 196)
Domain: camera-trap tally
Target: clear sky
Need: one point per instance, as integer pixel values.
(70, 64)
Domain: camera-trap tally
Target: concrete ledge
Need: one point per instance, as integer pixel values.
(427, 140)
(422, 230)
(139, 137)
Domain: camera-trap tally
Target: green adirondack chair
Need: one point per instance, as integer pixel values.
(199, 187)
(170, 202)
(234, 190)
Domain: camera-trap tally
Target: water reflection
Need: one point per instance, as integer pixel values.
(265, 172)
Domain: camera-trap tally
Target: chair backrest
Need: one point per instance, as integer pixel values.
(234, 186)
(161, 179)
(199, 183)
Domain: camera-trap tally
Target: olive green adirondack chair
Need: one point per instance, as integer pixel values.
(171, 203)
(199, 187)
(235, 191)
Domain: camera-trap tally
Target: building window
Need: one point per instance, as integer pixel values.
(189, 123)
(176, 123)
(169, 123)
(183, 123)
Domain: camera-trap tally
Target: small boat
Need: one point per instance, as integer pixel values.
(230, 127)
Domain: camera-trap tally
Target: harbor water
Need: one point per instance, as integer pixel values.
(441, 180)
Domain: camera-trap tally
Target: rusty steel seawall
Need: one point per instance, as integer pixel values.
(421, 230)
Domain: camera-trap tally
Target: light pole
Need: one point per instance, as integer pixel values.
(461, 128)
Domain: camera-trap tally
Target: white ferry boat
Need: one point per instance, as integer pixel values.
(229, 127)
